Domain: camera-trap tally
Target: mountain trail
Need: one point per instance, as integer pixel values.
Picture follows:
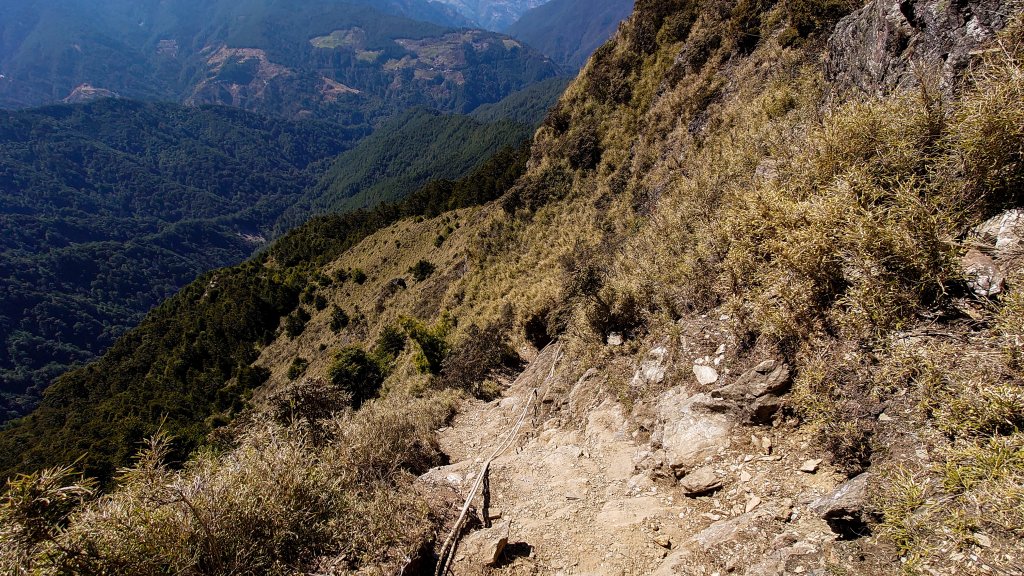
(577, 493)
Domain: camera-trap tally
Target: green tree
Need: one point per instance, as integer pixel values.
(354, 371)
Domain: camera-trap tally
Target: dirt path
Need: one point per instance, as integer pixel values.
(576, 495)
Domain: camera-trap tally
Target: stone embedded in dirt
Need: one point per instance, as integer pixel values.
(745, 476)
(493, 552)
(810, 466)
(663, 541)
(984, 277)
(727, 530)
(761, 412)
(995, 253)
(700, 481)
(768, 377)
(753, 503)
(706, 375)
(615, 339)
(845, 509)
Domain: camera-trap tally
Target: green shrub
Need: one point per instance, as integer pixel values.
(295, 323)
(431, 343)
(389, 344)
(339, 319)
(421, 270)
(358, 276)
(297, 368)
(320, 302)
(355, 372)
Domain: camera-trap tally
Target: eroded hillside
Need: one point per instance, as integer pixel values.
(769, 293)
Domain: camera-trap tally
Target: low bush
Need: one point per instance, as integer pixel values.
(355, 372)
(431, 342)
(295, 323)
(297, 368)
(308, 401)
(421, 270)
(339, 319)
(277, 504)
(482, 353)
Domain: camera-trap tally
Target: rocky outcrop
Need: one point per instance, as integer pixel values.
(768, 377)
(995, 251)
(692, 429)
(892, 44)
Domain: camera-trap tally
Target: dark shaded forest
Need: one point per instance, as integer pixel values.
(107, 209)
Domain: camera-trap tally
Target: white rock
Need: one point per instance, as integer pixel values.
(754, 502)
(691, 433)
(810, 466)
(706, 375)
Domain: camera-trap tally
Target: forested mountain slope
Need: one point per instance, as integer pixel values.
(769, 281)
(107, 209)
(111, 207)
(408, 151)
(348, 61)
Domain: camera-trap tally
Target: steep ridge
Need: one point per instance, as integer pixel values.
(757, 343)
(570, 30)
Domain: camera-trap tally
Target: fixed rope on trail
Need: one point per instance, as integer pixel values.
(483, 479)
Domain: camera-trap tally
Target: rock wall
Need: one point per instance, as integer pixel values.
(892, 45)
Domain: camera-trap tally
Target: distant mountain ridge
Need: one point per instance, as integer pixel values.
(570, 30)
(493, 14)
(347, 61)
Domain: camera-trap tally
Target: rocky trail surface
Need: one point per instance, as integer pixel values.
(682, 484)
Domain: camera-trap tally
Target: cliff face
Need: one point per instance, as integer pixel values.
(887, 45)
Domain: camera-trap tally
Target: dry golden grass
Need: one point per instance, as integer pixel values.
(281, 502)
